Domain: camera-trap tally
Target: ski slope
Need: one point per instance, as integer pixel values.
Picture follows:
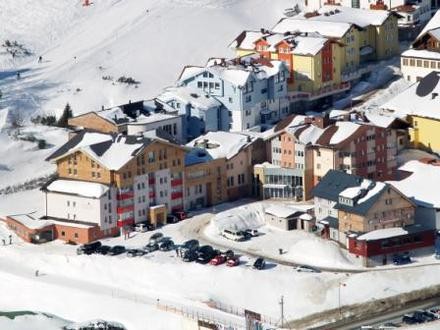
(149, 40)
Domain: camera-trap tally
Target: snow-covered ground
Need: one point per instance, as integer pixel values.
(299, 246)
(148, 40)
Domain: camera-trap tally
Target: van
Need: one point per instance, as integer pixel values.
(233, 234)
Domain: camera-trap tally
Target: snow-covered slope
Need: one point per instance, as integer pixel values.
(149, 40)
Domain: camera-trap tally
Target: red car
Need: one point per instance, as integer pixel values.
(181, 215)
(232, 262)
(218, 260)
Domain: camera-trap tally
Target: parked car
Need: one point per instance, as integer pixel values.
(166, 245)
(88, 248)
(143, 227)
(232, 262)
(401, 259)
(252, 232)
(189, 255)
(218, 260)
(172, 218)
(233, 234)
(229, 254)
(135, 253)
(259, 264)
(409, 319)
(180, 215)
(192, 244)
(115, 250)
(151, 247)
(156, 237)
(103, 249)
(205, 254)
(307, 269)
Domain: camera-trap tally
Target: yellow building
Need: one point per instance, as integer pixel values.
(420, 105)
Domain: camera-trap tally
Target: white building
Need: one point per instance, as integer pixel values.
(80, 201)
(417, 185)
(424, 55)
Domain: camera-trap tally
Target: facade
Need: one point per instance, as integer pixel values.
(113, 181)
(360, 205)
(423, 118)
(252, 90)
(133, 118)
(379, 246)
(202, 113)
(314, 61)
(424, 55)
(30, 229)
(368, 35)
(219, 167)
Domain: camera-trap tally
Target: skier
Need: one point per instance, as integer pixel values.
(40, 59)
(280, 251)
(18, 76)
(10, 239)
(37, 273)
(4, 242)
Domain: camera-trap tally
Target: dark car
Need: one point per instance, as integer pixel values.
(259, 264)
(115, 250)
(135, 253)
(103, 249)
(408, 319)
(192, 244)
(156, 237)
(205, 254)
(401, 259)
(166, 245)
(151, 247)
(229, 254)
(88, 248)
(189, 256)
(172, 218)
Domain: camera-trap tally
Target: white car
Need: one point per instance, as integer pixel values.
(307, 269)
(141, 227)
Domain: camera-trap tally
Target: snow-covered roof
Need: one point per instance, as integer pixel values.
(382, 234)
(30, 221)
(300, 44)
(379, 120)
(306, 216)
(80, 188)
(356, 16)
(344, 131)
(187, 95)
(420, 99)
(281, 211)
(418, 185)
(421, 53)
(111, 151)
(152, 118)
(190, 71)
(114, 115)
(221, 144)
(296, 24)
(433, 25)
(310, 135)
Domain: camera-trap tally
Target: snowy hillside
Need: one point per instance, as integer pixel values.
(148, 40)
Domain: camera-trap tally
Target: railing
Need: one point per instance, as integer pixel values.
(176, 182)
(329, 90)
(126, 222)
(123, 196)
(124, 209)
(176, 195)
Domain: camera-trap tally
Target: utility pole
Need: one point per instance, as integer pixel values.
(282, 311)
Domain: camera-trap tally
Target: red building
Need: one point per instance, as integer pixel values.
(379, 246)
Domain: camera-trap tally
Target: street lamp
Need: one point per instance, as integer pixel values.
(340, 285)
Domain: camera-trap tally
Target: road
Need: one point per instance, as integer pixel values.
(394, 316)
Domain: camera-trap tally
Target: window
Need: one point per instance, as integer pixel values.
(68, 203)
(216, 86)
(76, 235)
(230, 101)
(205, 74)
(248, 98)
(63, 233)
(75, 172)
(98, 175)
(199, 84)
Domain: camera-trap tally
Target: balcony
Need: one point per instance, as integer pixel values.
(124, 209)
(176, 182)
(323, 92)
(151, 194)
(124, 196)
(176, 195)
(126, 222)
(151, 181)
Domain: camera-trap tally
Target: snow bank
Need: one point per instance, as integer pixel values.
(315, 251)
(250, 216)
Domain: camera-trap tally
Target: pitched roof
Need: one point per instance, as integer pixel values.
(432, 26)
(333, 183)
(297, 24)
(420, 99)
(80, 188)
(340, 14)
(188, 95)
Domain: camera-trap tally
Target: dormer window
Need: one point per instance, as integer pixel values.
(345, 201)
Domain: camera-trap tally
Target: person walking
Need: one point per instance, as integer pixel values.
(4, 242)
(10, 239)
(37, 273)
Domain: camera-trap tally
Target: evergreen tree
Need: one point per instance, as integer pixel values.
(67, 113)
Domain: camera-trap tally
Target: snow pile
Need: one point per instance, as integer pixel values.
(250, 216)
(318, 252)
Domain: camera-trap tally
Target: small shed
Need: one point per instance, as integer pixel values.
(288, 218)
(158, 214)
